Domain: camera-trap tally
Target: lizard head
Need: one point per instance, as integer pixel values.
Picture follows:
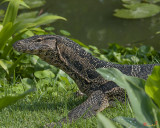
(37, 45)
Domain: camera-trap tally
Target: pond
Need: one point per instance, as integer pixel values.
(92, 22)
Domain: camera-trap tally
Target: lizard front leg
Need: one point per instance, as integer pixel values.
(87, 109)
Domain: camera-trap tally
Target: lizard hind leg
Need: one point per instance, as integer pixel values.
(116, 94)
(96, 102)
(88, 108)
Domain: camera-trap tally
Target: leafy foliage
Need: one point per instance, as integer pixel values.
(8, 100)
(144, 108)
(34, 3)
(15, 28)
(44, 74)
(64, 32)
(103, 122)
(139, 10)
(152, 86)
(125, 55)
(136, 9)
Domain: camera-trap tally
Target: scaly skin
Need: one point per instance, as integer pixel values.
(80, 66)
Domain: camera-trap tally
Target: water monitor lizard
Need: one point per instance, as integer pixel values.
(80, 66)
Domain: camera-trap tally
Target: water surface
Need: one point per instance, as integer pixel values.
(92, 22)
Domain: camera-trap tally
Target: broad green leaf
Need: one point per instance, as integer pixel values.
(80, 43)
(141, 103)
(37, 29)
(95, 49)
(139, 10)
(5, 34)
(28, 82)
(39, 63)
(1, 27)
(103, 122)
(43, 82)
(152, 1)
(103, 57)
(145, 50)
(8, 47)
(26, 15)
(33, 22)
(34, 3)
(49, 28)
(61, 85)
(131, 1)
(44, 74)
(5, 65)
(65, 33)
(152, 86)
(12, 11)
(47, 18)
(8, 100)
(64, 78)
(24, 4)
(139, 1)
(117, 56)
(129, 122)
(29, 33)
(135, 59)
(34, 59)
(11, 69)
(21, 3)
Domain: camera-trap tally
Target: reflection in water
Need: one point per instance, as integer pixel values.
(92, 22)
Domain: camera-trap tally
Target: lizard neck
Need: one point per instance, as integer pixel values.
(79, 65)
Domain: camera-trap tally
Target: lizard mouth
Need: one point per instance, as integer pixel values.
(22, 47)
(18, 47)
(15, 47)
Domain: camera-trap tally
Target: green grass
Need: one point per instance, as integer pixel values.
(37, 109)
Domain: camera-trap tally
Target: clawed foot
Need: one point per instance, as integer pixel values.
(50, 125)
(79, 93)
(88, 108)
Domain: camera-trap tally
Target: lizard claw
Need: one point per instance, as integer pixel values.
(79, 93)
(50, 125)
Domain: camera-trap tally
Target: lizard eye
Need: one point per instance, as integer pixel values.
(39, 40)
